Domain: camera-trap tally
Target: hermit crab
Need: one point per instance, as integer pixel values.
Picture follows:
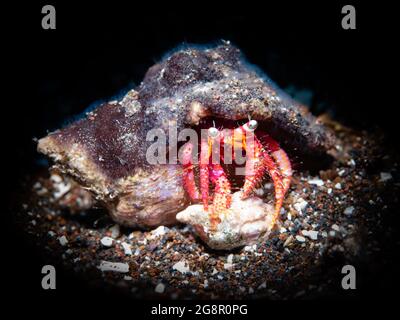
(209, 89)
(261, 158)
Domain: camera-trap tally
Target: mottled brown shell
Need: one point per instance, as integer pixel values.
(106, 151)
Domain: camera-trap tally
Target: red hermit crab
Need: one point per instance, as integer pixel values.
(261, 158)
(106, 151)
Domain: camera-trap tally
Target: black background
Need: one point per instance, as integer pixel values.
(101, 50)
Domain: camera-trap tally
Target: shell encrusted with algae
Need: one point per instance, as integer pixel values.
(106, 150)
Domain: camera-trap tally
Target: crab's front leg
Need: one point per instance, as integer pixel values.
(259, 161)
(206, 148)
(222, 187)
(208, 171)
(189, 182)
(222, 193)
(281, 159)
(205, 152)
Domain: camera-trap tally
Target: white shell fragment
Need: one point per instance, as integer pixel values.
(160, 288)
(127, 248)
(244, 223)
(312, 234)
(63, 240)
(181, 266)
(300, 205)
(349, 211)
(385, 176)
(107, 241)
(317, 182)
(113, 266)
(115, 231)
(300, 238)
(159, 232)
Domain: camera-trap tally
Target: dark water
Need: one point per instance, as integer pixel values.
(99, 51)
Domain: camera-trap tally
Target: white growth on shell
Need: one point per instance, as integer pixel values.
(244, 223)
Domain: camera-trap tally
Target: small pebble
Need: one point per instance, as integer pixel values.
(317, 182)
(127, 248)
(288, 241)
(159, 232)
(349, 211)
(228, 266)
(312, 234)
(115, 231)
(107, 241)
(251, 248)
(300, 205)
(300, 238)
(113, 266)
(63, 240)
(262, 286)
(160, 288)
(335, 227)
(385, 176)
(181, 266)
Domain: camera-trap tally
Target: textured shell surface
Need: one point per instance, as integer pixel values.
(106, 150)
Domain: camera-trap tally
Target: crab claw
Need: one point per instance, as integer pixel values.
(261, 158)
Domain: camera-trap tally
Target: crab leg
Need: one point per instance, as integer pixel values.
(281, 159)
(205, 152)
(259, 160)
(257, 163)
(222, 193)
(188, 172)
(285, 173)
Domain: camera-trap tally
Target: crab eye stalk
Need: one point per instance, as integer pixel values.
(213, 132)
(252, 125)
